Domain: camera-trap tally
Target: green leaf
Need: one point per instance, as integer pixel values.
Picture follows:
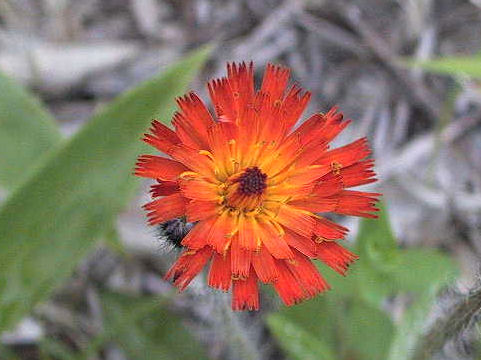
(315, 317)
(424, 270)
(375, 238)
(336, 323)
(377, 250)
(456, 65)
(385, 270)
(27, 131)
(51, 222)
(145, 330)
(298, 343)
(369, 331)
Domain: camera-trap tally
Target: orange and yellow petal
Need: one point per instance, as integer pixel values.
(274, 240)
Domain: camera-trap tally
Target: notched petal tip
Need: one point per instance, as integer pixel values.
(186, 268)
(335, 256)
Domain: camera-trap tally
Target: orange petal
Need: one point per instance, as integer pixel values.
(223, 100)
(199, 189)
(192, 159)
(221, 232)
(161, 137)
(329, 186)
(275, 81)
(357, 203)
(247, 235)
(294, 105)
(241, 81)
(186, 268)
(193, 121)
(220, 275)
(245, 294)
(317, 204)
(264, 265)
(201, 210)
(218, 139)
(274, 241)
(287, 285)
(157, 167)
(273, 128)
(321, 127)
(253, 121)
(334, 124)
(196, 238)
(166, 208)
(240, 259)
(358, 174)
(184, 131)
(335, 256)
(311, 153)
(324, 196)
(307, 275)
(305, 245)
(328, 230)
(308, 174)
(284, 192)
(303, 133)
(346, 155)
(299, 221)
(164, 188)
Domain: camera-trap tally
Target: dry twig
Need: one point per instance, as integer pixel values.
(414, 89)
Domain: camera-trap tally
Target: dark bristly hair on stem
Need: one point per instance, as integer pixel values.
(173, 231)
(459, 317)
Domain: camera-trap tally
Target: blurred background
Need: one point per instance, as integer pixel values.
(406, 71)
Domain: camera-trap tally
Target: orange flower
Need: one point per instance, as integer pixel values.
(254, 186)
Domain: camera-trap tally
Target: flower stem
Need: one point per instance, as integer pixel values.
(457, 318)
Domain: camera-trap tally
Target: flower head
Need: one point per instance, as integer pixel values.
(254, 187)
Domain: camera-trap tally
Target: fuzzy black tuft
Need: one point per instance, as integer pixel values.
(173, 231)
